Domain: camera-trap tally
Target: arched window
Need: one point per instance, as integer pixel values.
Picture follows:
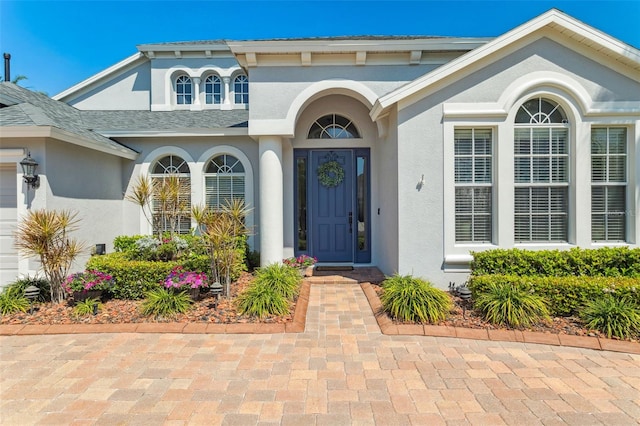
(541, 171)
(171, 195)
(333, 126)
(183, 90)
(241, 89)
(213, 90)
(224, 181)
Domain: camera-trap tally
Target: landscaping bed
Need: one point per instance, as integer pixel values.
(462, 315)
(117, 311)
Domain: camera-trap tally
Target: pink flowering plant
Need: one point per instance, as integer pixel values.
(87, 280)
(301, 261)
(178, 278)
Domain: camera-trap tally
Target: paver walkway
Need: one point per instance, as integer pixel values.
(341, 370)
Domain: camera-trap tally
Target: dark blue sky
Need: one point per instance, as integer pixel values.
(57, 44)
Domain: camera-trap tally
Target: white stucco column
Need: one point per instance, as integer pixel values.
(271, 199)
(196, 105)
(226, 102)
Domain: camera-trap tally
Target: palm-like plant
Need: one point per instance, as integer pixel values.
(45, 234)
(222, 230)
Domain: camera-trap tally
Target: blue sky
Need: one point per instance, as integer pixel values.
(57, 44)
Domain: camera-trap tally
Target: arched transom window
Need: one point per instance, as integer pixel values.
(171, 195)
(183, 90)
(224, 181)
(241, 89)
(541, 172)
(333, 126)
(213, 90)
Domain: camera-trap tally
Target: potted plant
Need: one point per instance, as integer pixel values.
(301, 263)
(181, 280)
(87, 284)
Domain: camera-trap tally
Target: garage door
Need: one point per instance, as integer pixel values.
(8, 219)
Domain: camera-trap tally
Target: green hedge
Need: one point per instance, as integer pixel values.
(565, 295)
(132, 278)
(603, 262)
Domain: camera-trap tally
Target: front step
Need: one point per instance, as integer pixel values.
(357, 275)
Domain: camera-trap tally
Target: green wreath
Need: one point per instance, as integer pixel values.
(331, 174)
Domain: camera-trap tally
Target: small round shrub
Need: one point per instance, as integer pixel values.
(406, 298)
(260, 300)
(515, 306)
(165, 303)
(282, 278)
(613, 316)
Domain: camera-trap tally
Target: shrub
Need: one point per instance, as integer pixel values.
(603, 262)
(86, 307)
(125, 243)
(614, 316)
(12, 302)
(131, 278)
(565, 295)
(179, 278)
(282, 278)
(165, 303)
(18, 287)
(512, 305)
(87, 280)
(260, 300)
(407, 298)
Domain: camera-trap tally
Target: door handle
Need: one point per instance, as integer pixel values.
(351, 222)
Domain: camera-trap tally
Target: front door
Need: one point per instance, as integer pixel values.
(332, 205)
(332, 211)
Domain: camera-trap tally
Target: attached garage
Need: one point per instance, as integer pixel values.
(8, 220)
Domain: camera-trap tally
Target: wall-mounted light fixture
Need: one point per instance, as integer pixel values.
(29, 166)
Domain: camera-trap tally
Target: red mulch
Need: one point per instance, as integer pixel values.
(128, 311)
(462, 315)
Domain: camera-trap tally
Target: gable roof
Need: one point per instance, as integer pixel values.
(46, 117)
(618, 51)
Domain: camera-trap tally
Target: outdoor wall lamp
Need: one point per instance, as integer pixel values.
(29, 166)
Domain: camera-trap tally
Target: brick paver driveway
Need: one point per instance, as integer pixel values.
(342, 370)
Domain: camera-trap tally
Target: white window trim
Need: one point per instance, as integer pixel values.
(145, 169)
(201, 166)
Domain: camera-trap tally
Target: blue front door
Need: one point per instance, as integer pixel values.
(332, 205)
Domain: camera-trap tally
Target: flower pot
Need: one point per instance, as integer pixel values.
(194, 293)
(81, 296)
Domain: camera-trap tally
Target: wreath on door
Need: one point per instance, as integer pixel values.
(330, 174)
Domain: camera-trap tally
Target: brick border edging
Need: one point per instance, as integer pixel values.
(388, 327)
(295, 326)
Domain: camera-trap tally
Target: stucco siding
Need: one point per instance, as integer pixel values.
(274, 89)
(129, 90)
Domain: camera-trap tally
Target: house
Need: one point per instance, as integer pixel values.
(407, 153)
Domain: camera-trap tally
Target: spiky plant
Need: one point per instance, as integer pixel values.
(142, 195)
(222, 230)
(282, 278)
(45, 234)
(614, 316)
(166, 303)
(12, 301)
(407, 298)
(260, 300)
(512, 305)
(87, 306)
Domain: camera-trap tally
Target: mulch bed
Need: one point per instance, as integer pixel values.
(464, 316)
(128, 311)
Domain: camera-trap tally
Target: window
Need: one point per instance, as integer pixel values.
(473, 176)
(608, 183)
(213, 90)
(171, 195)
(333, 126)
(183, 90)
(541, 168)
(224, 181)
(241, 89)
